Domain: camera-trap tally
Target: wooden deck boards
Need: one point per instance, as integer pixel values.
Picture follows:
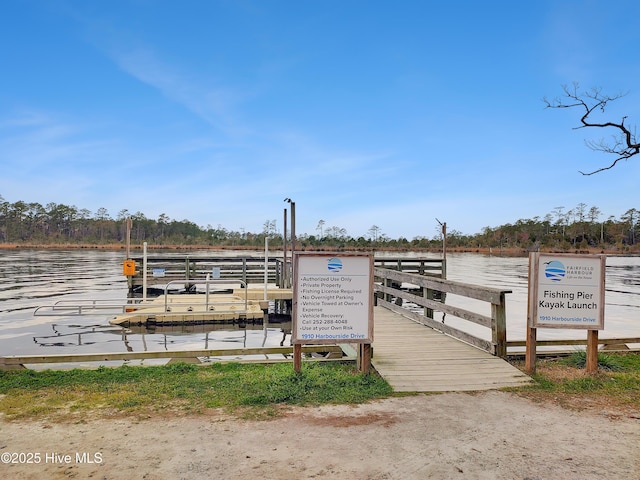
(415, 358)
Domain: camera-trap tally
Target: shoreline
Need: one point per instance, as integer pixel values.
(511, 251)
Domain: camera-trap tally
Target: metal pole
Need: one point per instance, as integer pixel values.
(206, 307)
(266, 266)
(144, 272)
(293, 237)
(293, 228)
(284, 247)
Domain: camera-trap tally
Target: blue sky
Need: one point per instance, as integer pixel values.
(386, 113)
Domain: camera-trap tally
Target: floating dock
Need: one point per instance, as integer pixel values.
(243, 305)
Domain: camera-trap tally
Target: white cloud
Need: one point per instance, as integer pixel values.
(207, 98)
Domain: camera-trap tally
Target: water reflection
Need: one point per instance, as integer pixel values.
(30, 278)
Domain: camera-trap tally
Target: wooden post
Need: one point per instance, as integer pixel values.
(364, 358)
(297, 357)
(530, 355)
(499, 330)
(129, 225)
(388, 283)
(530, 352)
(428, 294)
(187, 285)
(592, 351)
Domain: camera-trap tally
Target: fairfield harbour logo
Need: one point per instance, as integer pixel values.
(557, 271)
(554, 270)
(334, 265)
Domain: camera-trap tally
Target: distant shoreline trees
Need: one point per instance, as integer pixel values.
(580, 228)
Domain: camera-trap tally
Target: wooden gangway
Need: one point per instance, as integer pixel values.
(416, 358)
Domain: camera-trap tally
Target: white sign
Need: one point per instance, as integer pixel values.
(333, 298)
(566, 291)
(158, 272)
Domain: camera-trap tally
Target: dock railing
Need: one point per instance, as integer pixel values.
(431, 267)
(207, 283)
(13, 362)
(160, 270)
(251, 269)
(392, 288)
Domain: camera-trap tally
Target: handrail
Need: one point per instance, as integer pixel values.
(206, 282)
(251, 268)
(91, 306)
(496, 297)
(11, 362)
(57, 309)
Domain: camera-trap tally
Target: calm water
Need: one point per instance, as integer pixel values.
(30, 278)
(622, 293)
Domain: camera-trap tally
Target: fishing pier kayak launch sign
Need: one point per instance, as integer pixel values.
(332, 298)
(566, 291)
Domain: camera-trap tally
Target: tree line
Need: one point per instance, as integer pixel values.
(580, 228)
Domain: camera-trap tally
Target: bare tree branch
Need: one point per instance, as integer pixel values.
(624, 144)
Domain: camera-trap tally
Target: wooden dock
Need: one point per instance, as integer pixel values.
(415, 358)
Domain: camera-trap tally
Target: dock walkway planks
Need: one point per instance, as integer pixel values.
(416, 358)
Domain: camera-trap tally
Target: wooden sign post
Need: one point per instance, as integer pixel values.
(566, 291)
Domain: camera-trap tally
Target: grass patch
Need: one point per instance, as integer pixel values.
(606, 362)
(249, 389)
(261, 390)
(614, 389)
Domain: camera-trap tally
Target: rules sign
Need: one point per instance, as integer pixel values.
(332, 298)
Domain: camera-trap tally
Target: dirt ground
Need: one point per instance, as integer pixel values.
(492, 435)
